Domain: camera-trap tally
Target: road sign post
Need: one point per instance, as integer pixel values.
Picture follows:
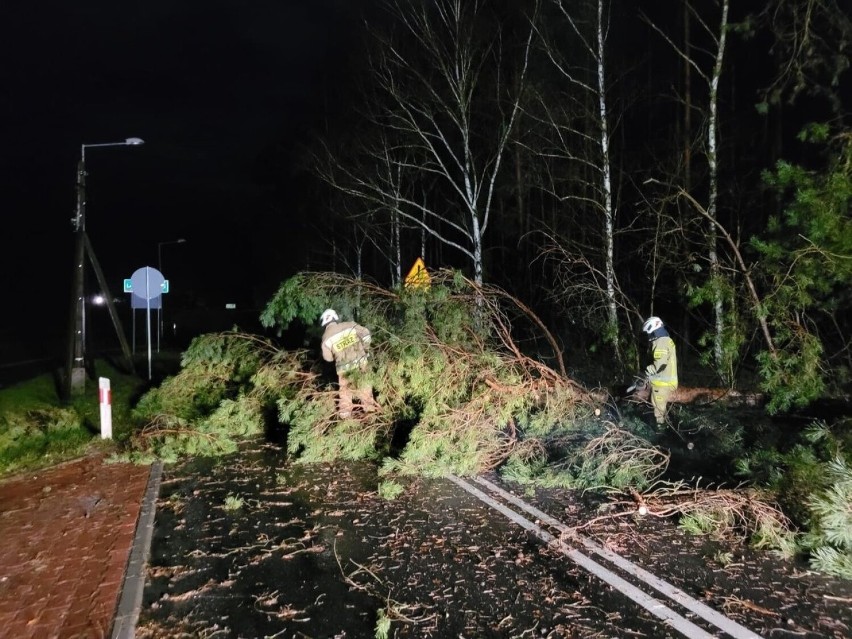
(148, 284)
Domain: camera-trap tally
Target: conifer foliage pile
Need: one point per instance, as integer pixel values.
(458, 372)
(458, 393)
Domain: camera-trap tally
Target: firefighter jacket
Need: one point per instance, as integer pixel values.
(663, 372)
(345, 343)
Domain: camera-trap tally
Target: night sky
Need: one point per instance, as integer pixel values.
(221, 91)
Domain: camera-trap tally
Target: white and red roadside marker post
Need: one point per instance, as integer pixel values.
(105, 400)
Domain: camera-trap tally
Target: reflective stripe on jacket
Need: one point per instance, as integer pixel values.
(665, 362)
(345, 343)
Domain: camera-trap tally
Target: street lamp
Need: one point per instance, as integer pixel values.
(76, 363)
(160, 246)
(127, 142)
(80, 219)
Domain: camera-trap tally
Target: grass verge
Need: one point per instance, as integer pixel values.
(38, 429)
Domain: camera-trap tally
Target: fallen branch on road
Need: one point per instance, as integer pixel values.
(733, 513)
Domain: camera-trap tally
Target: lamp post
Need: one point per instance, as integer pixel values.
(76, 362)
(160, 246)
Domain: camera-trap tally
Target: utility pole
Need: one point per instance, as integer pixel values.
(76, 361)
(75, 366)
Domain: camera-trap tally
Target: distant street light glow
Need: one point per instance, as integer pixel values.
(160, 246)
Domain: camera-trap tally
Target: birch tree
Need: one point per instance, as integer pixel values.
(709, 69)
(446, 115)
(579, 133)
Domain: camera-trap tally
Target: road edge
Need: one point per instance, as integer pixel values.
(130, 604)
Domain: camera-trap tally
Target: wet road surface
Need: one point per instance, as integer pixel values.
(252, 546)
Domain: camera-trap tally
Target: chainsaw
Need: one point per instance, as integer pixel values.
(639, 383)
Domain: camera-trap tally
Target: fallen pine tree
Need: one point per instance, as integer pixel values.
(701, 395)
(457, 395)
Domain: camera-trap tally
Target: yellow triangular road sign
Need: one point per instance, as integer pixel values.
(418, 276)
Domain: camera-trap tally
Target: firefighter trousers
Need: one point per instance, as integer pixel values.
(354, 390)
(659, 400)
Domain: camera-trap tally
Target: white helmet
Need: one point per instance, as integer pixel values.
(328, 316)
(652, 324)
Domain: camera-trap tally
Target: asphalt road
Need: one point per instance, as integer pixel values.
(253, 546)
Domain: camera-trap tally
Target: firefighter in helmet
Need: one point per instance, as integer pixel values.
(662, 373)
(346, 344)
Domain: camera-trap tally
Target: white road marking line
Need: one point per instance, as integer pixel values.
(719, 620)
(653, 605)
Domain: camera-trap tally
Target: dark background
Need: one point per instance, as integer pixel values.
(221, 91)
(225, 93)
